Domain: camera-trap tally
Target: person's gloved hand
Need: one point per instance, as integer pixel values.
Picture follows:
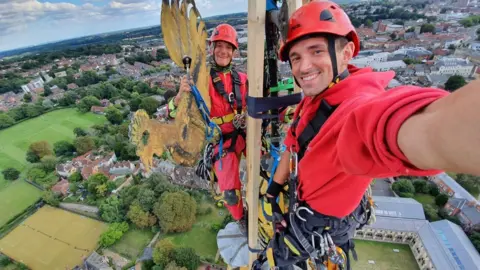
(277, 214)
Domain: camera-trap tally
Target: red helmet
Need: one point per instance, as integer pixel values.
(225, 32)
(319, 17)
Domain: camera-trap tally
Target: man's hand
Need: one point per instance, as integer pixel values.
(184, 87)
(277, 214)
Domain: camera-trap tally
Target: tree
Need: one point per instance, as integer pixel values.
(368, 23)
(84, 144)
(427, 28)
(35, 174)
(47, 91)
(27, 97)
(47, 104)
(6, 120)
(430, 213)
(49, 163)
(94, 182)
(114, 232)
(163, 252)
(393, 36)
(79, 132)
(140, 218)
(186, 257)
(404, 188)
(11, 174)
(455, 82)
(441, 199)
(173, 266)
(51, 198)
(32, 157)
(146, 199)
(75, 177)
(110, 210)
(114, 115)
(135, 104)
(176, 211)
(433, 189)
(63, 148)
(150, 105)
(469, 182)
(421, 186)
(87, 102)
(41, 149)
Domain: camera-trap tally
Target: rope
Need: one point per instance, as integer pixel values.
(211, 126)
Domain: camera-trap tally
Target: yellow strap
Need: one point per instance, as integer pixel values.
(223, 119)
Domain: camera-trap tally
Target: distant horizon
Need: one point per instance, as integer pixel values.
(100, 33)
(29, 23)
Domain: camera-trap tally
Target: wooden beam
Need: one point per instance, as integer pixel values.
(256, 36)
(292, 6)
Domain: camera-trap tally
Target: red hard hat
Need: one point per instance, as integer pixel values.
(225, 32)
(319, 17)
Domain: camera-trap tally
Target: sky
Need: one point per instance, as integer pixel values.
(32, 22)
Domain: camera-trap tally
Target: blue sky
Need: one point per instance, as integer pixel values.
(31, 22)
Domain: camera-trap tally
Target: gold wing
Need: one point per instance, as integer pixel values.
(184, 34)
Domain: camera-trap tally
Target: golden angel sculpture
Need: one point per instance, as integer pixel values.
(184, 34)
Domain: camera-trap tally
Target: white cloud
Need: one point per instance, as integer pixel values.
(27, 22)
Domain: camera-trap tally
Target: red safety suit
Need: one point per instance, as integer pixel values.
(228, 171)
(358, 142)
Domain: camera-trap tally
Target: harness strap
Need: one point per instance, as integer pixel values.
(235, 95)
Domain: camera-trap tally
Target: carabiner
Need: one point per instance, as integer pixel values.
(303, 208)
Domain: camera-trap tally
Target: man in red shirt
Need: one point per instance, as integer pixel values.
(348, 130)
(227, 89)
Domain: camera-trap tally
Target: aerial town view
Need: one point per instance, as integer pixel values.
(118, 153)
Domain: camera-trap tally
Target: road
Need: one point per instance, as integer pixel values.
(382, 188)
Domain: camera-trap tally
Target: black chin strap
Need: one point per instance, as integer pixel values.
(333, 55)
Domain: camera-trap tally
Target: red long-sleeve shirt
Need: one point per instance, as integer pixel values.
(359, 140)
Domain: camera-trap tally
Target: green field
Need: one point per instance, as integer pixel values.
(17, 197)
(383, 256)
(54, 126)
(132, 243)
(201, 237)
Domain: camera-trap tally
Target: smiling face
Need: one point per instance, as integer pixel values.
(312, 66)
(223, 52)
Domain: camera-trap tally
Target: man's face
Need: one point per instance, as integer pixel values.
(312, 66)
(223, 53)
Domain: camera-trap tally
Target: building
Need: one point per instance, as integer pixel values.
(455, 66)
(448, 185)
(389, 65)
(32, 85)
(440, 245)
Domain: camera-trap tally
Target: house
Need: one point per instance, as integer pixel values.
(455, 66)
(61, 187)
(60, 74)
(66, 169)
(33, 84)
(468, 212)
(448, 185)
(105, 102)
(122, 168)
(98, 109)
(389, 65)
(96, 261)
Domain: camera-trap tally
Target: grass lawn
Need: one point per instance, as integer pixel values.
(383, 256)
(16, 198)
(52, 127)
(201, 238)
(132, 243)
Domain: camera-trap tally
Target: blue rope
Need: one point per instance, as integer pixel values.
(211, 126)
(275, 152)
